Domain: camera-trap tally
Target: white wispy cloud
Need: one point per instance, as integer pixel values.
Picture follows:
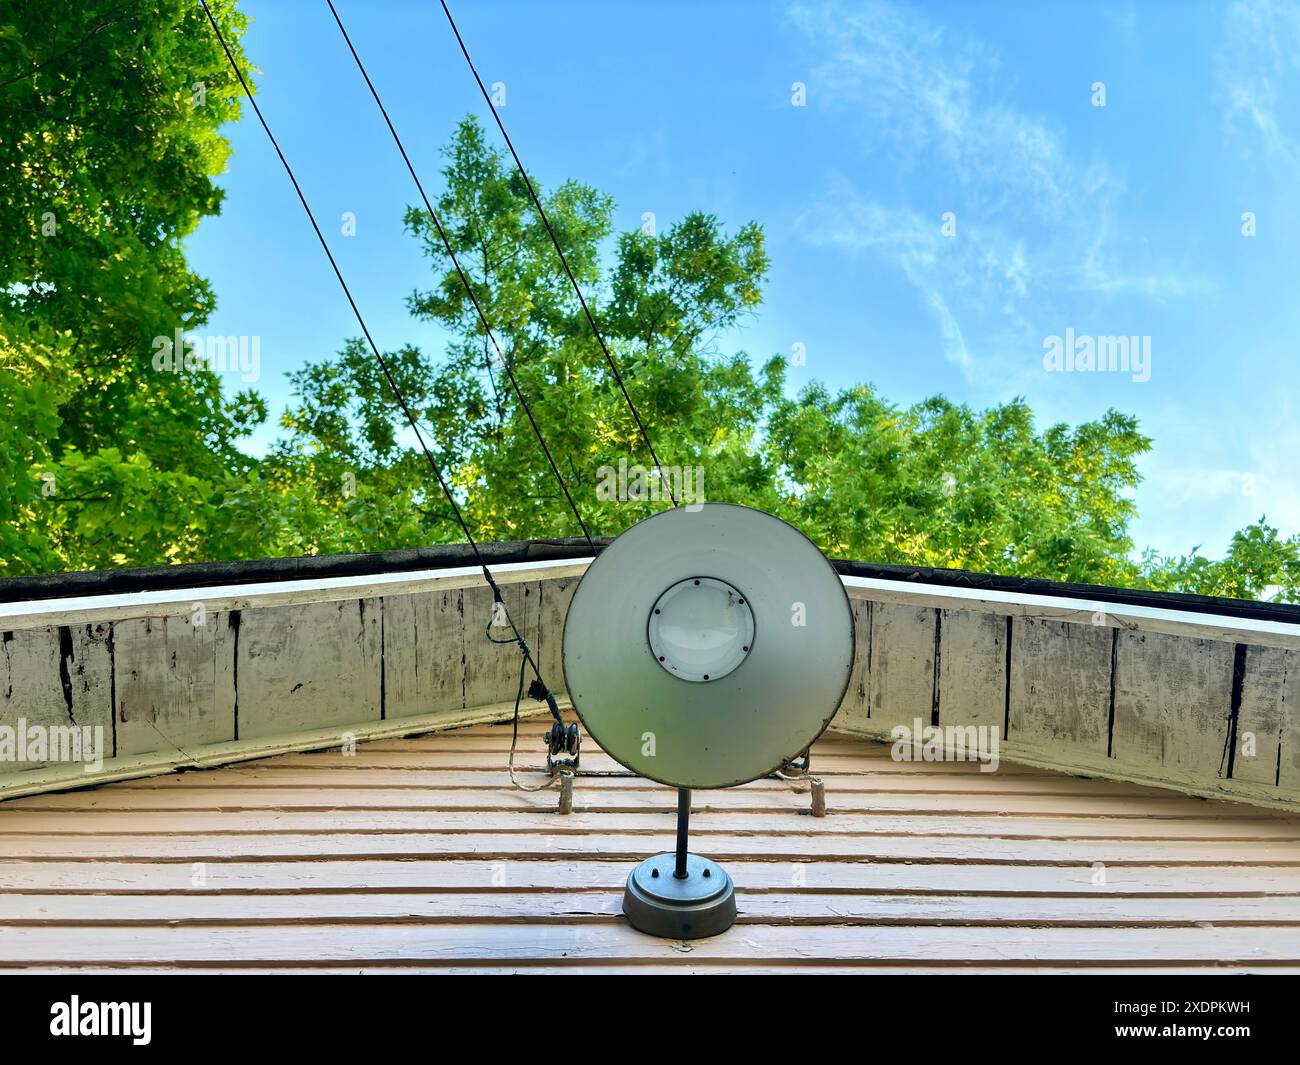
(1036, 223)
(1272, 460)
(1257, 68)
(1207, 498)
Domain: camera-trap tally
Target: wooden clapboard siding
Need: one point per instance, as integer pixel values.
(1268, 722)
(494, 667)
(200, 686)
(854, 709)
(972, 681)
(555, 597)
(1060, 687)
(56, 675)
(195, 677)
(173, 681)
(424, 653)
(417, 854)
(1084, 689)
(308, 666)
(901, 670)
(1173, 698)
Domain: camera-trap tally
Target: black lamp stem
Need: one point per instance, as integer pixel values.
(683, 829)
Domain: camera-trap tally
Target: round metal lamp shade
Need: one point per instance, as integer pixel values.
(707, 647)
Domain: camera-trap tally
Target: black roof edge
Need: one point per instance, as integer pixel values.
(296, 568)
(1287, 613)
(450, 556)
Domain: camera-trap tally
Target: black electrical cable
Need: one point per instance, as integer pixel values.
(383, 365)
(469, 289)
(560, 252)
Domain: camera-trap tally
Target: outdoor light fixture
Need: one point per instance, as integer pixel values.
(701, 629)
(706, 647)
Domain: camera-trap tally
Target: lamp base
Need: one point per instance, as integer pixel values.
(703, 903)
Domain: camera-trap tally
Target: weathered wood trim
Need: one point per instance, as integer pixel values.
(88, 609)
(1081, 611)
(1268, 721)
(424, 652)
(972, 678)
(1205, 703)
(209, 756)
(901, 678)
(1189, 703)
(172, 676)
(227, 673)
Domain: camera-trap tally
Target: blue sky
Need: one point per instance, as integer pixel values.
(1117, 220)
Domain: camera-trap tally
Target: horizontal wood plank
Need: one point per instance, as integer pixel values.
(606, 907)
(472, 874)
(575, 842)
(596, 797)
(582, 944)
(418, 855)
(705, 823)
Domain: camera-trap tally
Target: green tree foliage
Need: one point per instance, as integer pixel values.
(1259, 565)
(107, 461)
(664, 297)
(935, 484)
(942, 485)
(108, 145)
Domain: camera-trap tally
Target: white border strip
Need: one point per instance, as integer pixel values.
(1144, 617)
(87, 608)
(272, 593)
